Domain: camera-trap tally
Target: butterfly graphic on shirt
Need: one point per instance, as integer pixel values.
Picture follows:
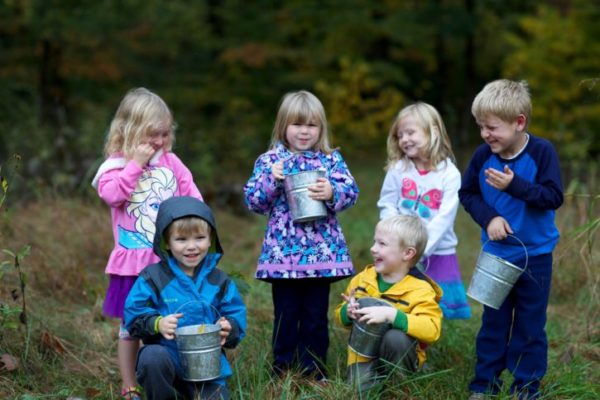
(420, 203)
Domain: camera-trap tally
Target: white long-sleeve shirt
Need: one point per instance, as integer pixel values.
(433, 197)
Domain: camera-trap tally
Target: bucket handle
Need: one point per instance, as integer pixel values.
(201, 302)
(518, 240)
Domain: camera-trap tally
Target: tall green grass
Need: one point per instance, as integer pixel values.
(70, 348)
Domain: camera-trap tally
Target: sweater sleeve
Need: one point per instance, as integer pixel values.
(390, 194)
(185, 180)
(470, 192)
(116, 186)
(443, 221)
(546, 191)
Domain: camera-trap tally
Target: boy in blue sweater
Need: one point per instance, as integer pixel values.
(512, 186)
(184, 288)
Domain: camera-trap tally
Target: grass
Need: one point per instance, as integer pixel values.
(68, 349)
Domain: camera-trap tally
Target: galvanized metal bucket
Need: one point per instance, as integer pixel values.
(302, 207)
(199, 348)
(494, 277)
(365, 339)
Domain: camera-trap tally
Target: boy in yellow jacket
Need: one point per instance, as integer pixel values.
(415, 318)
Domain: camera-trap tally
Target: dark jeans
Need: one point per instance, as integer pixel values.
(397, 349)
(300, 326)
(155, 371)
(514, 336)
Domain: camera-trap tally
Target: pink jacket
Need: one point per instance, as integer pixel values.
(134, 194)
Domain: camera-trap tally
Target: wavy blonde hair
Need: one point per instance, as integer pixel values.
(301, 107)
(438, 145)
(140, 113)
(504, 99)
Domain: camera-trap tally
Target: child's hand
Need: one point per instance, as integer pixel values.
(498, 228)
(225, 329)
(168, 324)
(377, 314)
(277, 170)
(498, 179)
(352, 304)
(143, 153)
(321, 190)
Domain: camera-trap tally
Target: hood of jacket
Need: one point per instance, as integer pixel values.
(180, 207)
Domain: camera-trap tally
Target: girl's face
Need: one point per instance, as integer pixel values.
(412, 139)
(158, 139)
(302, 136)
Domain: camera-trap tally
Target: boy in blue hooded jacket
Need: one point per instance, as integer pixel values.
(184, 288)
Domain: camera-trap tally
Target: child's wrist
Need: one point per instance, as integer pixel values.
(157, 324)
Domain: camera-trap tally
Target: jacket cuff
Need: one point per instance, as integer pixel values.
(234, 336)
(401, 321)
(344, 315)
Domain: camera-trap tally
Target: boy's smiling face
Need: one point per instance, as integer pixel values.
(389, 258)
(504, 138)
(189, 249)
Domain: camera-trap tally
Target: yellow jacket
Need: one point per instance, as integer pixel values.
(416, 295)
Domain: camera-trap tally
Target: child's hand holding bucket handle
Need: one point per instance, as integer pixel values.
(352, 304)
(377, 314)
(225, 329)
(498, 228)
(167, 325)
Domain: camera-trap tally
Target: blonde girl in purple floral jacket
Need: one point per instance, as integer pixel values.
(301, 259)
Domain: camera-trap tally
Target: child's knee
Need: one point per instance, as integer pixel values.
(153, 359)
(397, 346)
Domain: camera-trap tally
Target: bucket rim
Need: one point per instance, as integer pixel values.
(192, 330)
(518, 240)
(501, 260)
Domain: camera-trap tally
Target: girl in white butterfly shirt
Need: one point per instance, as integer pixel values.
(422, 180)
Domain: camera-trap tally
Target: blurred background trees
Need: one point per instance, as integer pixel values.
(223, 65)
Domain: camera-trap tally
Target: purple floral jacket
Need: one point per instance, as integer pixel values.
(315, 249)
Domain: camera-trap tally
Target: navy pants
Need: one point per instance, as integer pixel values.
(155, 371)
(514, 336)
(300, 332)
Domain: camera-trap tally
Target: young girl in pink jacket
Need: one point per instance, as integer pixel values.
(140, 172)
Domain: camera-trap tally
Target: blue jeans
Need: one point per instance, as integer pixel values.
(155, 371)
(514, 336)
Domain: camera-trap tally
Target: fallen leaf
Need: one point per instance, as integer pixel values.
(51, 342)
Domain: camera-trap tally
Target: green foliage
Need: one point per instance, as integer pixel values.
(224, 66)
(559, 56)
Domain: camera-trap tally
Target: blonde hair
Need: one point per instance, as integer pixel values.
(301, 107)
(187, 226)
(409, 230)
(438, 145)
(504, 99)
(140, 113)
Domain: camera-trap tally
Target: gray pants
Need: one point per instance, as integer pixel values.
(155, 371)
(397, 350)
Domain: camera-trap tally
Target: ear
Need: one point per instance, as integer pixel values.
(409, 253)
(521, 122)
